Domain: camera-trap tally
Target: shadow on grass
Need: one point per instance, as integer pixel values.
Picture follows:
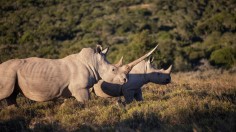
(200, 121)
(19, 124)
(139, 122)
(48, 127)
(214, 119)
(13, 125)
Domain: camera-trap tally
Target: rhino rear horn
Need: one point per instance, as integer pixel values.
(132, 64)
(168, 70)
(120, 63)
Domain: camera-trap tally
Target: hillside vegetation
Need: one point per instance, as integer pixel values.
(189, 32)
(194, 101)
(186, 30)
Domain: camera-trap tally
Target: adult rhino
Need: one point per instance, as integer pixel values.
(46, 79)
(141, 74)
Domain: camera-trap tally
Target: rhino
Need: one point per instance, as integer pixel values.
(42, 79)
(141, 74)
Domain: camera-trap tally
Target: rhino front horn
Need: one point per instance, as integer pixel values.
(132, 64)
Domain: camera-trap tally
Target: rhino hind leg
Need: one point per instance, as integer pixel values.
(11, 100)
(8, 78)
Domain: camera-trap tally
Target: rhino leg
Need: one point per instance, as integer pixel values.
(8, 77)
(138, 95)
(65, 101)
(82, 95)
(120, 103)
(129, 95)
(11, 100)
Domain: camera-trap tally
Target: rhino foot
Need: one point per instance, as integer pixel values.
(12, 106)
(121, 104)
(72, 104)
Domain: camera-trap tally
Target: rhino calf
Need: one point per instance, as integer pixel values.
(141, 74)
(45, 79)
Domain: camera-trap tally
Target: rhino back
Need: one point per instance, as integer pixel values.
(8, 76)
(43, 79)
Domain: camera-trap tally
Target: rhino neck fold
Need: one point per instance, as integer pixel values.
(91, 63)
(95, 74)
(94, 68)
(86, 58)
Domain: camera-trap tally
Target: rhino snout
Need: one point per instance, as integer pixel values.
(124, 80)
(168, 80)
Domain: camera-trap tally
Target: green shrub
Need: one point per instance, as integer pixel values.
(56, 28)
(223, 57)
(180, 64)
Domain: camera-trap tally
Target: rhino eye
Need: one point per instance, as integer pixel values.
(113, 69)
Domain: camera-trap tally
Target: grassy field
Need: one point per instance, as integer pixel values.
(194, 101)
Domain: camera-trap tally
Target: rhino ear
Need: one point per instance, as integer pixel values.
(150, 60)
(98, 49)
(105, 51)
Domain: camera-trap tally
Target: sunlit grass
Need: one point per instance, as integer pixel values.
(194, 101)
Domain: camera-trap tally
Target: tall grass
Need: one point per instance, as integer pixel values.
(194, 101)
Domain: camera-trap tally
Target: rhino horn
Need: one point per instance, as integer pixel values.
(132, 64)
(168, 70)
(120, 63)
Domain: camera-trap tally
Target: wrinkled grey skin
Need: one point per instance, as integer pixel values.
(47, 79)
(141, 74)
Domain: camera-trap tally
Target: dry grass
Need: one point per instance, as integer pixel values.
(194, 101)
(142, 6)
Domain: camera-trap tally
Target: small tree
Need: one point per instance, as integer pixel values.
(224, 57)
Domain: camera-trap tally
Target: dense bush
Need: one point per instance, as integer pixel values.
(223, 57)
(186, 31)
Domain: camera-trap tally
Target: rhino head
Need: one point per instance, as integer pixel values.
(157, 76)
(116, 74)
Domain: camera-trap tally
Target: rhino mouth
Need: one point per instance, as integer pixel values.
(167, 81)
(119, 81)
(123, 81)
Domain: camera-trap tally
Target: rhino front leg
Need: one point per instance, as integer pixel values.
(82, 95)
(129, 96)
(138, 95)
